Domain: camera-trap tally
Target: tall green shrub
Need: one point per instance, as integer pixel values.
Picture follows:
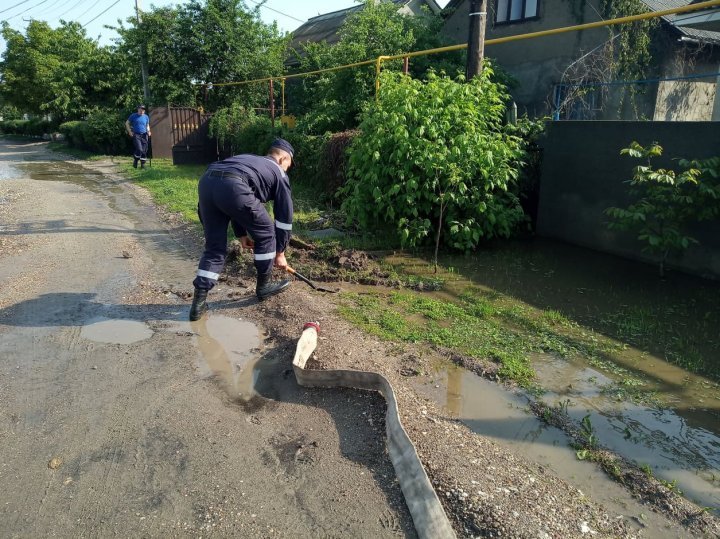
(102, 132)
(35, 127)
(433, 160)
(242, 130)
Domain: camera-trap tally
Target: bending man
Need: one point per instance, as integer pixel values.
(234, 190)
(138, 128)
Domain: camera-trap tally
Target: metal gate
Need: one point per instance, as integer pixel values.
(181, 133)
(190, 138)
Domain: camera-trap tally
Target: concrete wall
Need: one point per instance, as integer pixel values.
(537, 64)
(583, 173)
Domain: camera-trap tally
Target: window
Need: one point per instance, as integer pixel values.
(515, 10)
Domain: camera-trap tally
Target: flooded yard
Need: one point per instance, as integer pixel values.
(604, 338)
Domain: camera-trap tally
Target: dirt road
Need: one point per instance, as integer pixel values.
(117, 418)
(120, 418)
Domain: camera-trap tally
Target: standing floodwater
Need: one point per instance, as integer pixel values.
(641, 357)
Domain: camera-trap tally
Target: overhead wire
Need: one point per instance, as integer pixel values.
(14, 6)
(76, 4)
(28, 9)
(46, 10)
(264, 5)
(102, 13)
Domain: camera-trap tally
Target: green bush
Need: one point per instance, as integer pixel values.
(434, 160)
(105, 132)
(74, 132)
(307, 157)
(102, 132)
(31, 128)
(242, 130)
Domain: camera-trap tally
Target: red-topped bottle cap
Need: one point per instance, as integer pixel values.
(315, 325)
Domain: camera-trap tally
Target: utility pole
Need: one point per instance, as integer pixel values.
(143, 62)
(476, 38)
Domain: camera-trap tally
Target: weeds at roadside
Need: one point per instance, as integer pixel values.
(646, 328)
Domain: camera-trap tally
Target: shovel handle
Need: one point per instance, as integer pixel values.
(291, 271)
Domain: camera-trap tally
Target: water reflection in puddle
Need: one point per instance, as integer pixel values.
(501, 415)
(229, 350)
(662, 439)
(115, 331)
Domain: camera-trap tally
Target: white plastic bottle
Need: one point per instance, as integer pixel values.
(306, 344)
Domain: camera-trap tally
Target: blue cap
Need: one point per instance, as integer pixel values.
(282, 144)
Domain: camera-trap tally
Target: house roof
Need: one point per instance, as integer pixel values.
(693, 33)
(325, 27)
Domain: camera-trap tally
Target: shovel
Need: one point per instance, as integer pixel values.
(308, 281)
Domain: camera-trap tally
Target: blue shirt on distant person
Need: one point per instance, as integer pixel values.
(139, 123)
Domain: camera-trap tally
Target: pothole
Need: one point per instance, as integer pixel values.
(116, 331)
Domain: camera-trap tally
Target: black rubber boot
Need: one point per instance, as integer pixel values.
(266, 288)
(199, 305)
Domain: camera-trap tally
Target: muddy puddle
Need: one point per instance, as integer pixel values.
(115, 331)
(654, 327)
(230, 352)
(659, 438)
(494, 412)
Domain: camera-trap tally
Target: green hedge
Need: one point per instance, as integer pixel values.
(33, 128)
(102, 132)
(320, 160)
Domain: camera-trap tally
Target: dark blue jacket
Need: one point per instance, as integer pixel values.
(269, 182)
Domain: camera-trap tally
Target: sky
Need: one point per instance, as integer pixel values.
(98, 13)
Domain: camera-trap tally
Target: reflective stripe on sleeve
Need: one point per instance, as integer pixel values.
(264, 256)
(282, 226)
(208, 274)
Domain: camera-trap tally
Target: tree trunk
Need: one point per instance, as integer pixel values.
(437, 235)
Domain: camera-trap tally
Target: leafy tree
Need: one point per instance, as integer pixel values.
(56, 71)
(204, 41)
(433, 159)
(334, 100)
(668, 201)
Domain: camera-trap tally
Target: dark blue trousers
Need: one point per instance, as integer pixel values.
(226, 198)
(140, 146)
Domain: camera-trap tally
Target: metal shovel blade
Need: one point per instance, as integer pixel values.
(315, 286)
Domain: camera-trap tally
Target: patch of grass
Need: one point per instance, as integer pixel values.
(472, 327)
(172, 186)
(664, 330)
(488, 327)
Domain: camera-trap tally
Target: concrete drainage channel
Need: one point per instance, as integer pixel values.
(427, 513)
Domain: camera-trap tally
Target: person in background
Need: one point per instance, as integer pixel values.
(138, 128)
(234, 191)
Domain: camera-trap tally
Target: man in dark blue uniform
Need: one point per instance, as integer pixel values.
(234, 191)
(138, 128)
